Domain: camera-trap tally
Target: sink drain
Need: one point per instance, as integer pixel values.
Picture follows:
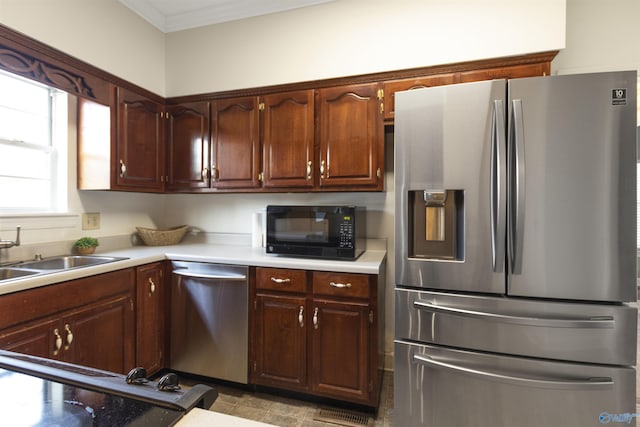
(343, 418)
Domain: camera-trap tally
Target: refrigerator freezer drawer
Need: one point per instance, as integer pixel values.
(579, 332)
(436, 386)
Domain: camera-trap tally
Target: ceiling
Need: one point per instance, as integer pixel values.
(176, 15)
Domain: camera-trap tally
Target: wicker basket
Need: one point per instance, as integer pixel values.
(163, 236)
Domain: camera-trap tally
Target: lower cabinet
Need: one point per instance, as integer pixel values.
(89, 321)
(316, 333)
(151, 297)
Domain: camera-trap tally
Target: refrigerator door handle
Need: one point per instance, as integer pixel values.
(498, 182)
(517, 177)
(550, 383)
(599, 322)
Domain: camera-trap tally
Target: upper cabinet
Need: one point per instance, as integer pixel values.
(288, 140)
(139, 143)
(188, 146)
(235, 161)
(351, 137)
(121, 145)
(301, 137)
(531, 68)
(393, 86)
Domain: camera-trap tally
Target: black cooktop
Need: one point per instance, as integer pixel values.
(42, 392)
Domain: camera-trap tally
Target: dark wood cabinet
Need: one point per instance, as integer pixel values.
(281, 341)
(139, 147)
(351, 137)
(530, 69)
(280, 322)
(100, 335)
(89, 321)
(235, 161)
(340, 350)
(121, 145)
(151, 297)
(188, 146)
(393, 86)
(288, 140)
(316, 333)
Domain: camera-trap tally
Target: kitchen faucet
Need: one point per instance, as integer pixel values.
(6, 244)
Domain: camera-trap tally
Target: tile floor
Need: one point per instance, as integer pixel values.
(288, 412)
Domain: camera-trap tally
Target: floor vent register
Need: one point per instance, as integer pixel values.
(342, 417)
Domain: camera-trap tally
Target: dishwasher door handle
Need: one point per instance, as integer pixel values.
(186, 273)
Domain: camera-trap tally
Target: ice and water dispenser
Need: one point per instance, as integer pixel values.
(436, 223)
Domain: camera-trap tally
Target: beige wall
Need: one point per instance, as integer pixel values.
(103, 33)
(345, 37)
(351, 37)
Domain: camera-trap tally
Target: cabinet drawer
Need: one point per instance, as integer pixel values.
(347, 285)
(281, 279)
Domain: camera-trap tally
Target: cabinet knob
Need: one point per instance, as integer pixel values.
(301, 316)
(315, 318)
(152, 286)
(69, 336)
(123, 169)
(339, 285)
(280, 281)
(58, 343)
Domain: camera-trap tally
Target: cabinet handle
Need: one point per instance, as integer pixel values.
(280, 281)
(340, 285)
(205, 173)
(301, 316)
(152, 286)
(123, 169)
(315, 318)
(321, 168)
(214, 173)
(69, 336)
(309, 169)
(58, 344)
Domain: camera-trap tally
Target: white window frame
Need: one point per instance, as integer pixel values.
(56, 215)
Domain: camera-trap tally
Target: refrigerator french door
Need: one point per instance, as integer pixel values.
(516, 250)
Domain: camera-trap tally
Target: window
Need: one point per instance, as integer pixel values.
(33, 159)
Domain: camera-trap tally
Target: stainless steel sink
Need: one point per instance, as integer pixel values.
(67, 262)
(7, 273)
(52, 265)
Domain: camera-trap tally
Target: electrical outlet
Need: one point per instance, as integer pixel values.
(91, 221)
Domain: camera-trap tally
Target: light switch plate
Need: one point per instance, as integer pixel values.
(91, 221)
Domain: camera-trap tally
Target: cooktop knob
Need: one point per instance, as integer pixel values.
(137, 376)
(168, 382)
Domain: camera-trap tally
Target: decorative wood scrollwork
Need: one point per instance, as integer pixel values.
(35, 69)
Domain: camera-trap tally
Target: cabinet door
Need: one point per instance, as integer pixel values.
(139, 143)
(150, 321)
(340, 350)
(42, 339)
(100, 336)
(351, 137)
(509, 72)
(236, 143)
(280, 341)
(288, 137)
(188, 146)
(391, 87)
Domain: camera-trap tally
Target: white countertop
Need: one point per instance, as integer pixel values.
(370, 262)
(202, 418)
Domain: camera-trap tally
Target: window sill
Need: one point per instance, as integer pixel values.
(38, 221)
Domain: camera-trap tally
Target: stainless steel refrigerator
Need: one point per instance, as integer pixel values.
(515, 255)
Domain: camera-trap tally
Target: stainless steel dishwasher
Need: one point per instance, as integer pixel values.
(209, 320)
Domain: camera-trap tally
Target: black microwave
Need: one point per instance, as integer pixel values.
(335, 232)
